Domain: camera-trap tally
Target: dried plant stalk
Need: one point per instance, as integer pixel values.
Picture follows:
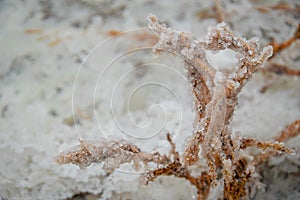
(276, 68)
(278, 47)
(290, 131)
(282, 69)
(215, 101)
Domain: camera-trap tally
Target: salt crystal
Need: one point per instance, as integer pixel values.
(221, 25)
(188, 53)
(240, 74)
(254, 40)
(219, 77)
(236, 85)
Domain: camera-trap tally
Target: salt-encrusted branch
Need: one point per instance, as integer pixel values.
(290, 131)
(281, 69)
(178, 169)
(112, 153)
(201, 75)
(278, 47)
(215, 100)
(215, 106)
(250, 142)
(249, 55)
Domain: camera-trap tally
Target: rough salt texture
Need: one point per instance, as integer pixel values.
(42, 46)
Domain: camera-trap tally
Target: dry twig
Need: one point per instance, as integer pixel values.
(280, 69)
(278, 47)
(291, 131)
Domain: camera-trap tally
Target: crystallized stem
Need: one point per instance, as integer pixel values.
(112, 153)
(215, 101)
(216, 98)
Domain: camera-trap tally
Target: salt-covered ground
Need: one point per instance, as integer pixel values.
(60, 79)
